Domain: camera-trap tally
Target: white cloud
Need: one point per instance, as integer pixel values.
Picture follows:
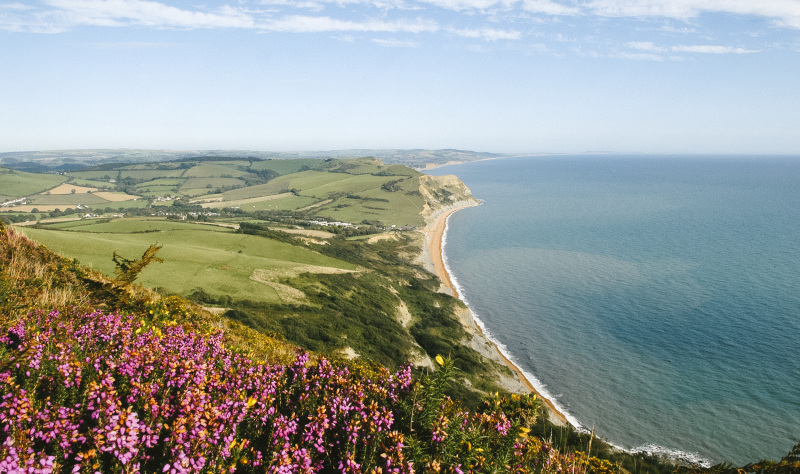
(459, 5)
(549, 7)
(488, 34)
(706, 48)
(711, 49)
(638, 56)
(783, 12)
(319, 5)
(15, 6)
(645, 46)
(319, 24)
(147, 13)
(394, 43)
(66, 14)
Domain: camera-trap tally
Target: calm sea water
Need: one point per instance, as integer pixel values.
(655, 299)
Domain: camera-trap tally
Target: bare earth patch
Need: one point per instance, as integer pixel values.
(115, 197)
(316, 204)
(286, 293)
(378, 237)
(70, 189)
(320, 234)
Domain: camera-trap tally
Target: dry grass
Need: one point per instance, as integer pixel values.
(70, 189)
(116, 197)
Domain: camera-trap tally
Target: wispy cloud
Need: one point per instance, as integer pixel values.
(549, 7)
(147, 13)
(318, 5)
(645, 46)
(711, 49)
(395, 43)
(459, 5)
(488, 34)
(128, 45)
(783, 12)
(484, 20)
(638, 56)
(15, 6)
(703, 49)
(318, 24)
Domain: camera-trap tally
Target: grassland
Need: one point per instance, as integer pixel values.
(16, 184)
(195, 256)
(351, 191)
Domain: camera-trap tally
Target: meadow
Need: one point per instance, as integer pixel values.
(337, 190)
(213, 258)
(16, 184)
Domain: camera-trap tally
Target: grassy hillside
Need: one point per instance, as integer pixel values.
(274, 262)
(351, 191)
(17, 184)
(195, 255)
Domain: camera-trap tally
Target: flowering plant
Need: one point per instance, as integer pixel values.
(98, 392)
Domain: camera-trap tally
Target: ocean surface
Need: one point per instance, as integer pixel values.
(655, 299)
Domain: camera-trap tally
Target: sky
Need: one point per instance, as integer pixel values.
(504, 76)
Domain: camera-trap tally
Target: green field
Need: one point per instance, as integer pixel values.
(221, 262)
(276, 186)
(15, 184)
(213, 171)
(354, 190)
(274, 202)
(95, 175)
(341, 196)
(103, 184)
(132, 225)
(284, 167)
(115, 206)
(150, 174)
(210, 183)
(69, 200)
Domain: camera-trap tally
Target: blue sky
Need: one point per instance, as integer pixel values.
(657, 76)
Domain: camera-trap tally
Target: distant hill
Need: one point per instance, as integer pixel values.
(66, 160)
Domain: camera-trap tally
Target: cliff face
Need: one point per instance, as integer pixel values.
(442, 193)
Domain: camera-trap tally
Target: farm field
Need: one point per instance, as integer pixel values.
(17, 184)
(355, 191)
(196, 256)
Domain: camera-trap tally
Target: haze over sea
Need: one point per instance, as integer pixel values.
(654, 298)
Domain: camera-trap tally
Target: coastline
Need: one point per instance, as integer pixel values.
(433, 254)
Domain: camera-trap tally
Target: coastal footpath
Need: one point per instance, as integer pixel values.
(432, 258)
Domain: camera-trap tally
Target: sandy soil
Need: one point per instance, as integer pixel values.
(432, 257)
(69, 189)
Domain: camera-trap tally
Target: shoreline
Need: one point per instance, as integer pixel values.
(434, 236)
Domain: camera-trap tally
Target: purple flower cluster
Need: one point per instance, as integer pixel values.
(97, 392)
(106, 392)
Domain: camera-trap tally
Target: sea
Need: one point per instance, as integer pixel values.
(654, 299)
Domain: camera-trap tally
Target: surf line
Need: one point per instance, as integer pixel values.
(437, 240)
